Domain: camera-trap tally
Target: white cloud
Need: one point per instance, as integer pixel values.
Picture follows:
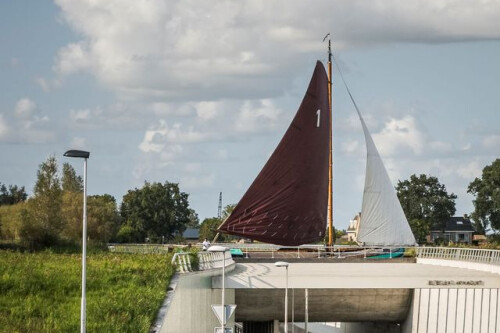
(194, 49)
(161, 136)
(80, 115)
(440, 146)
(257, 116)
(25, 108)
(491, 141)
(78, 143)
(48, 84)
(172, 109)
(350, 146)
(26, 124)
(4, 128)
(398, 136)
(72, 58)
(206, 110)
(198, 181)
(469, 171)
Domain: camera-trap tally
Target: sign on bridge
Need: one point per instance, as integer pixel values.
(219, 330)
(218, 312)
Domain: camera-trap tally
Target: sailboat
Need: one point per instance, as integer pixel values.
(290, 199)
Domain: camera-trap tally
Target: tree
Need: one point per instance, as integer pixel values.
(103, 218)
(486, 191)
(194, 221)
(228, 210)
(426, 203)
(156, 210)
(12, 195)
(209, 226)
(72, 214)
(41, 220)
(70, 181)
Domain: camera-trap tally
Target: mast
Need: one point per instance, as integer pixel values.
(330, 156)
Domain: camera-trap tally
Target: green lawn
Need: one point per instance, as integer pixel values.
(40, 292)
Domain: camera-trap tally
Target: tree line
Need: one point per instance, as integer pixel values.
(53, 215)
(428, 205)
(160, 212)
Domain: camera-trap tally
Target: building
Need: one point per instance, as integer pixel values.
(191, 234)
(457, 230)
(352, 230)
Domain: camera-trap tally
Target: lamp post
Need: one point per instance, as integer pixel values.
(285, 264)
(85, 155)
(222, 249)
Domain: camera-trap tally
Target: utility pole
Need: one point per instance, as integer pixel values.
(219, 212)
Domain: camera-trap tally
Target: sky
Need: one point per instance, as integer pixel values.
(200, 92)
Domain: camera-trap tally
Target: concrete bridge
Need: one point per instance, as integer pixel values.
(445, 290)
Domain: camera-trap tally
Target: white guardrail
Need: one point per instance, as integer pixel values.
(189, 262)
(483, 256)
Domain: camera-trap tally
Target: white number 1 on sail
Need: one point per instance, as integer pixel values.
(318, 114)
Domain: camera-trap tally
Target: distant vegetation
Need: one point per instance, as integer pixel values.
(52, 217)
(160, 212)
(425, 203)
(486, 192)
(40, 292)
(155, 212)
(12, 194)
(208, 228)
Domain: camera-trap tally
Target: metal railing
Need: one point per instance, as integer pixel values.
(484, 256)
(207, 260)
(189, 262)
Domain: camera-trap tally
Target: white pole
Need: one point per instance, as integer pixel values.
(307, 309)
(84, 250)
(286, 302)
(223, 290)
(293, 310)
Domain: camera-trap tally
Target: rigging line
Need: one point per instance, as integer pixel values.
(345, 84)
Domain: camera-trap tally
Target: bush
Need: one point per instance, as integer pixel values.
(125, 234)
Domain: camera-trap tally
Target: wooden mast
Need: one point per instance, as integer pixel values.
(331, 234)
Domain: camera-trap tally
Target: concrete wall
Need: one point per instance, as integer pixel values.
(454, 311)
(324, 305)
(189, 307)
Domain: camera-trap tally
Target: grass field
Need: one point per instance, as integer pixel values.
(40, 292)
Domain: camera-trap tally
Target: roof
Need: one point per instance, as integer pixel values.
(456, 223)
(191, 233)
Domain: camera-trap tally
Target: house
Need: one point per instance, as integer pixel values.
(352, 230)
(191, 234)
(457, 230)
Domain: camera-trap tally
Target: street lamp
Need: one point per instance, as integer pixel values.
(285, 264)
(222, 249)
(85, 155)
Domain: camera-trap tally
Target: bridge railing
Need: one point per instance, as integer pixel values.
(140, 248)
(189, 262)
(483, 256)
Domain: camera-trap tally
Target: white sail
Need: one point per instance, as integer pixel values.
(383, 222)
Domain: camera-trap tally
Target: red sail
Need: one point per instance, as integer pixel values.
(287, 202)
